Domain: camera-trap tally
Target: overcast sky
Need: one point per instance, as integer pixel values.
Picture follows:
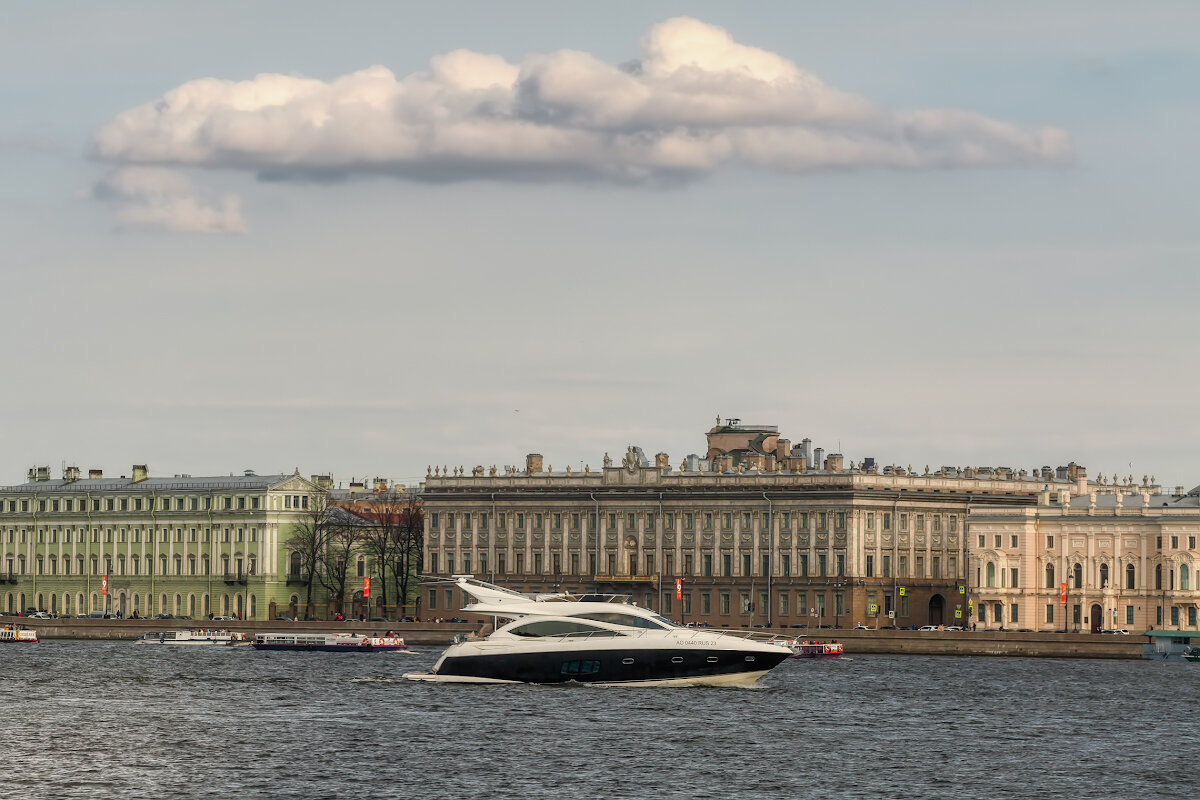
(364, 238)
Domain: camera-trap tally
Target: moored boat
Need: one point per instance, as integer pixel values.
(328, 642)
(802, 648)
(192, 637)
(16, 634)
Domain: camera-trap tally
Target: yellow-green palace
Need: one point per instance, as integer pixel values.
(184, 545)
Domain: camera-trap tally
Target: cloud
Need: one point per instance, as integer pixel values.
(695, 102)
(153, 198)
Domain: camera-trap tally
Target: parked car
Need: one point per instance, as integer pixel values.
(163, 616)
(223, 618)
(1119, 631)
(862, 627)
(39, 615)
(928, 628)
(954, 627)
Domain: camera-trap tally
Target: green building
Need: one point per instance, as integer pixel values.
(186, 546)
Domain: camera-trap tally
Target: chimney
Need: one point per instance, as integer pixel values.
(783, 448)
(71, 474)
(356, 488)
(805, 449)
(769, 463)
(1081, 481)
(662, 461)
(533, 463)
(323, 481)
(819, 459)
(835, 462)
(381, 486)
(95, 474)
(139, 473)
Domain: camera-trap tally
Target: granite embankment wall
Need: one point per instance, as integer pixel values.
(961, 643)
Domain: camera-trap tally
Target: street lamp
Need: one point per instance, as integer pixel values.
(837, 602)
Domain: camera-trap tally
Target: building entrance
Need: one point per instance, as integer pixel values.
(1097, 618)
(937, 610)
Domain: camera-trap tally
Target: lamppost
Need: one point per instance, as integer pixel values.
(837, 602)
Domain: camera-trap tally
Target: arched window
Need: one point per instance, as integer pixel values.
(1130, 575)
(133, 570)
(1103, 575)
(251, 566)
(191, 565)
(294, 565)
(1078, 576)
(991, 575)
(1184, 581)
(178, 565)
(1158, 576)
(162, 565)
(1050, 576)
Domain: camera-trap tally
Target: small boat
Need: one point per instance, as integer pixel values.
(594, 638)
(15, 634)
(193, 637)
(1191, 654)
(327, 642)
(806, 649)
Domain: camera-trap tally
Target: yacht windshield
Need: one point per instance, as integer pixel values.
(560, 627)
(629, 620)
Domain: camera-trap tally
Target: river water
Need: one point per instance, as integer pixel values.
(111, 719)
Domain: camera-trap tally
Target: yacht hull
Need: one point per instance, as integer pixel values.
(665, 667)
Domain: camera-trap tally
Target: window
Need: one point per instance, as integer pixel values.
(936, 567)
(998, 538)
(1130, 576)
(1013, 581)
(705, 603)
(727, 564)
(1103, 576)
(1174, 542)
(783, 604)
(1049, 612)
(785, 565)
(1050, 584)
(745, 564)
(1014, 540)
(982, 540)
(870, 566)
(870, 520)
(902, 567)
(1128, 615)
(706, 565)
(1013, 612)
(887, 566)
(746, 520)
(1078, 576)
(822, 565)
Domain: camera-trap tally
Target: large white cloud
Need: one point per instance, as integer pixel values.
(694, 102)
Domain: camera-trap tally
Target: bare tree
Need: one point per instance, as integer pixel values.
(394, 538)
(410, 542)
(345, 534)
(310, 541)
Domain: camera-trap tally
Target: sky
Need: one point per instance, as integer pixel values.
(361, 239)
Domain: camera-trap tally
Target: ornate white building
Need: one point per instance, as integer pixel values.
(1123, 556)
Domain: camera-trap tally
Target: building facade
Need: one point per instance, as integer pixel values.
(755, 532)
(1118, 557)
(186, 546)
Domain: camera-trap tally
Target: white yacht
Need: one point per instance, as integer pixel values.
(601, 639)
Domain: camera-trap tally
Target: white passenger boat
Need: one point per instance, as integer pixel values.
(17, 635)
(601, 639)
(328, 642)
(192, 637)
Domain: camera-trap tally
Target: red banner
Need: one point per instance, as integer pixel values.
(679, 588)
(1063, 597)
(104, 586)
(366, 587)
